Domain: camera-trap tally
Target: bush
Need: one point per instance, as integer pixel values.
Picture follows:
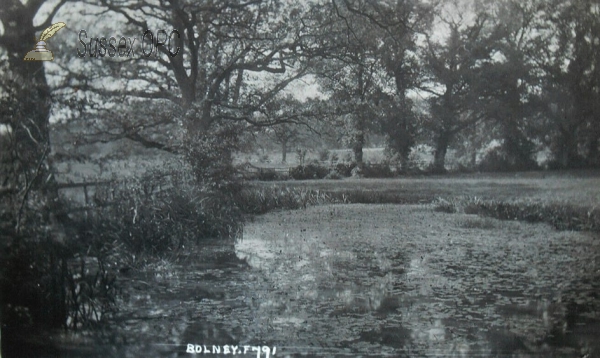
(324, 155)
(345, 169)
(268, 174)
(333, 175)
(379, 197)
(264, 158)
(496, 160)
(301, 155)
(365, 170)
(210, 156)
(47, 284)
(310, 171)
(357, 171)
(444, 206)
(334, 158)
(560, 216)
(377, 171)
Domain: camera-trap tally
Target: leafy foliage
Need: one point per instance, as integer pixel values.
(309, 171)
(210, 155)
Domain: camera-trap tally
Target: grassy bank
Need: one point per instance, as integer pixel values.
(566, 200)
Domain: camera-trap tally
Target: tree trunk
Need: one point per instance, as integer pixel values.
(568, 156)
(30, 121)
(404, 162)
(357, 148)
(283, 151)
(439, 155)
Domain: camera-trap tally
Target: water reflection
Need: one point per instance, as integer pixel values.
(317, 287)
(406, 303)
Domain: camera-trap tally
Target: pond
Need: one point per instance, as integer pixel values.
(360, 280)
(385, 280)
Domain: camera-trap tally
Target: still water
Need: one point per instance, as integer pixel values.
(344, 287)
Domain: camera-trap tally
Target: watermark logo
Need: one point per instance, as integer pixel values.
(40, 52)
(148, 45)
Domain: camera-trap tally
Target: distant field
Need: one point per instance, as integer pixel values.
(575, 187)
(272, 159)
(421, 154)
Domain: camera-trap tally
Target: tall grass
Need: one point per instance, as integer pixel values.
(155, 222)
(259, 200)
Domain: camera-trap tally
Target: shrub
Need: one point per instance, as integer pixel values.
(444, 206)
(560, 216)
(347, 157)
(345, 169)
(478, 223)
(268, 174)
(378, 197)
(48, 284)
(301, 155)
(324, 155)
(463, 169)
(310, 171)
(333, 175)
(496, 160)
(210, 157)
(334, 158)
(377, 171)
(264, 158)
(357, 171)
(415, 162)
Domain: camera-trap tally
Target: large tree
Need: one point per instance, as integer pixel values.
(26, 184)
(296, 121)
(399, 24)
(235, 57)
(453, 64)
(571, 81)
(510, 78)
(351, 73)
